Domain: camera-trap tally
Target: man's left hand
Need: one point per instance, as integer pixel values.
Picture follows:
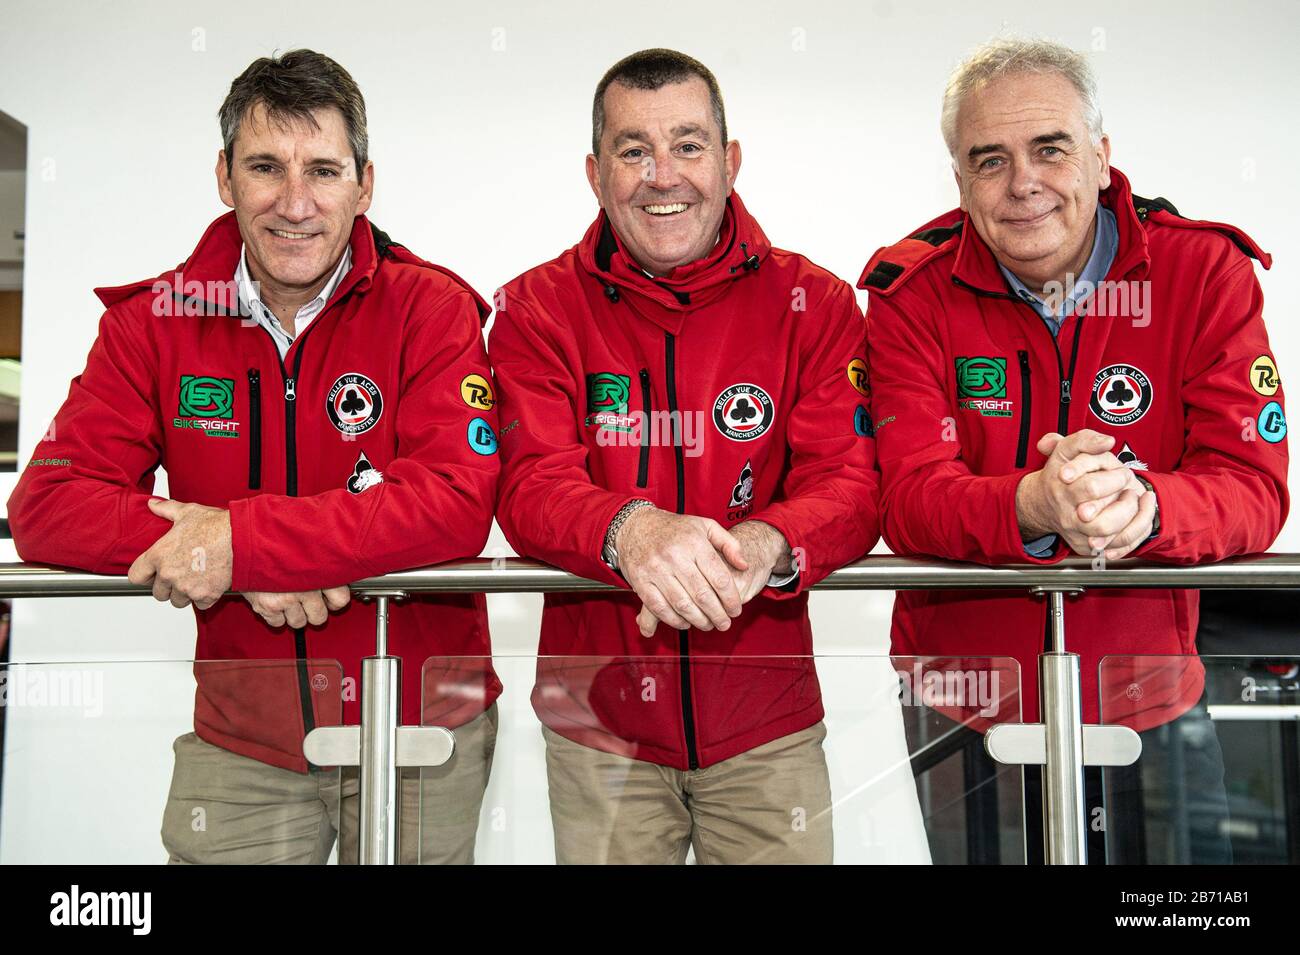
(767, 552)
(192, 562)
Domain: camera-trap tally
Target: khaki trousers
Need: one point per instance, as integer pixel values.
(771, 804)
(224, 808)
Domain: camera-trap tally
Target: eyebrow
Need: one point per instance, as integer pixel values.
(269, 157)
(688, 129)
(1059, 137)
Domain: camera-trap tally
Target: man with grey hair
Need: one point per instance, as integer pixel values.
(1061, 367)
(321, 401)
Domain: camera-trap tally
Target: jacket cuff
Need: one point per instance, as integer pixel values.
(1158, 534)
(241, 546)
(595, 567)
(1012, 548)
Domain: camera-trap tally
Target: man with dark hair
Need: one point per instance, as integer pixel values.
(687, 421)
(321, 401)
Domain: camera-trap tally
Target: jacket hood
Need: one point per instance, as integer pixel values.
(203, 283)
(741, 249)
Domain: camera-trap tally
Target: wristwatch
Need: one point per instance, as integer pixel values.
(609, 553)
(1155, 521)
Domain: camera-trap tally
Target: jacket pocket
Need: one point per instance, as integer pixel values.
(643, 465)
(254, 429)
(1026, 410)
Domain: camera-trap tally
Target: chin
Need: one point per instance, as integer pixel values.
(294, 273)
(1031, 250)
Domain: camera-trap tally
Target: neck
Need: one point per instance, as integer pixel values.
(1065, 276)
(658, 274)
(285, 300)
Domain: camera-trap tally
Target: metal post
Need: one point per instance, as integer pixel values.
(380, 699)
(1064, 825)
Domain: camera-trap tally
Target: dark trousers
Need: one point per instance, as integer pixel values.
(1170, 807)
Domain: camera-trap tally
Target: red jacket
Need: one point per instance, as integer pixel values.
(966, 378)
(760, 353)
(366, 451)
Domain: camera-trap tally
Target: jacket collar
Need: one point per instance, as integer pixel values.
(976, 267)
(740, 250)
(204, 284)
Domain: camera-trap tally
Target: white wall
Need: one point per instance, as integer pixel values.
(478, 118)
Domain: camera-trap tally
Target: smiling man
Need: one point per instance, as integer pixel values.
(1062, 367)
(682, 710)
(321, 401)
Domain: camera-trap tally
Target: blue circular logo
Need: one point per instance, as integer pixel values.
(1272, 423)
(862, 421)
(481, 437)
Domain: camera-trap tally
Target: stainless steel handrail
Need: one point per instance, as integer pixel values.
(1063, 742)
(512, 575)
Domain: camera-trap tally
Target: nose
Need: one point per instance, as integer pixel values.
(295, 202)
(1024, 182)
(662, 171)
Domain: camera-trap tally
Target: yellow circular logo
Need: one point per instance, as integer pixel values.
(858, 375)
(477, 393)
(1263, 376)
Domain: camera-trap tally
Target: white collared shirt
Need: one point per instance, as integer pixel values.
(250, 300)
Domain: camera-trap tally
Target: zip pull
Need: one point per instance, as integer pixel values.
(1065, 391)
(289, 393)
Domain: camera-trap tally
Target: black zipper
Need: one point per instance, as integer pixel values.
(1026, 410)
(254, 429)
(643, 467)
(1067, 382)
(291, 489)
(683, 636)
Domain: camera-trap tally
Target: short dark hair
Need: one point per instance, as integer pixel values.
(290, 86)
(650, 70)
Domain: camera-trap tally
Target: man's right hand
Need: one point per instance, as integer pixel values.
(675, 563)
(1083, 492)
(299, 609)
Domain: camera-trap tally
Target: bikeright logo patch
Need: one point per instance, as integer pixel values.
(206, 404)
(743, 412)
(1121, 394)
(982, 386)
(607, 401)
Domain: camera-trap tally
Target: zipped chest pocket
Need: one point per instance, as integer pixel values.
(1026, 409)
(643, 461)
(254, 429)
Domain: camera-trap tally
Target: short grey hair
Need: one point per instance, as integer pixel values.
(291, 86)
(1011, 56)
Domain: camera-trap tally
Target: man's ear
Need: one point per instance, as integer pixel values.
(1103, 158)
(732, 160)
(223, 180)
(593, 177)
(367, 188)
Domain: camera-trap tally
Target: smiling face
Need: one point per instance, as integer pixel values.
(1030, 174)
(295, 192)
(663, 174)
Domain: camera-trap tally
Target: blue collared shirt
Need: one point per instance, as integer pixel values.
(1105, 243)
